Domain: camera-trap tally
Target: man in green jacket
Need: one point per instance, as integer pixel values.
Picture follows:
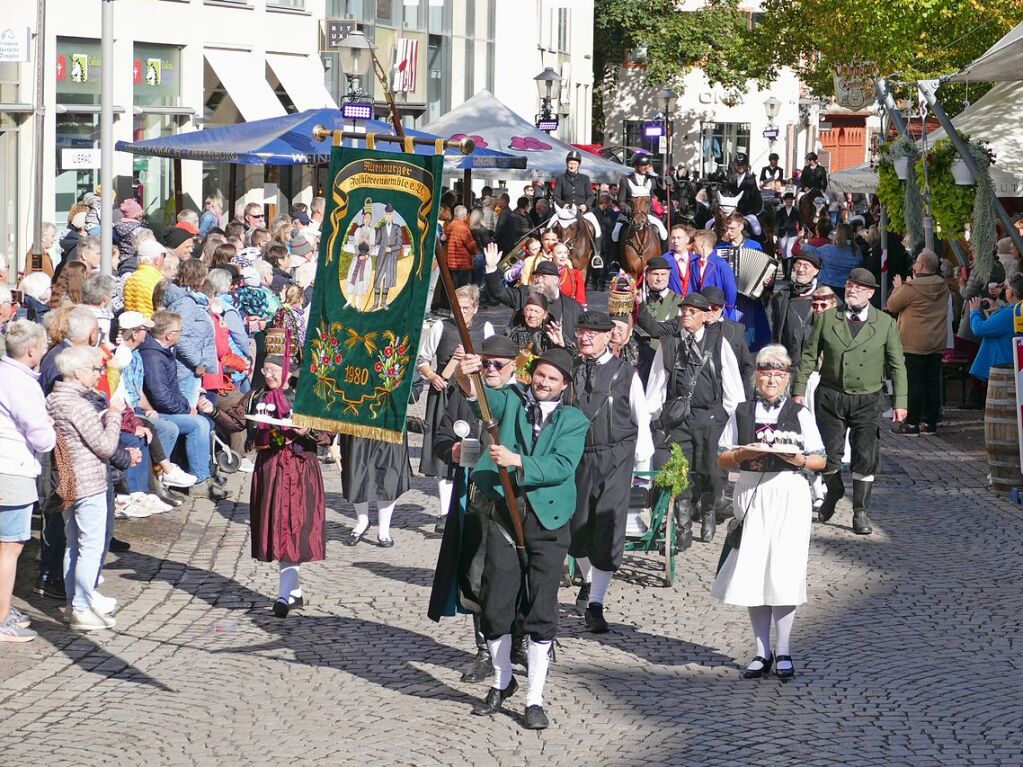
(541, 444)
(854, 346)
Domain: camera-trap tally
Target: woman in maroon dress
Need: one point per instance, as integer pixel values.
(286, 503)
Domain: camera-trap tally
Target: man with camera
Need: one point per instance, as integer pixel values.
(694, 387)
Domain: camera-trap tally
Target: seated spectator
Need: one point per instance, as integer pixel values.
(85, 443)
(160, 386)
(138, 288)
(26, 433)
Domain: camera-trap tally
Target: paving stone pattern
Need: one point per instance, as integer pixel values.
(905, 651)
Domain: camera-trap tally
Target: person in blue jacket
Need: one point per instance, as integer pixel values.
(837, 259)
(996, 329)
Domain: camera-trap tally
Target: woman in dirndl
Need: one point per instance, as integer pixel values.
(765, 570)
(286, 504)
(441, 342)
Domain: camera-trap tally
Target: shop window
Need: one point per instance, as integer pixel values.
(719, 144)
(156, 74)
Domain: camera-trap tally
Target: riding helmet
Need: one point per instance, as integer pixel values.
(811, 156)
(574, 155)
(640, 158)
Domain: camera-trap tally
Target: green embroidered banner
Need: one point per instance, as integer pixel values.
(369, 298)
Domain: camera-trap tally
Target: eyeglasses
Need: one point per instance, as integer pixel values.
(855, 287)
(255, 215)
(494, 365)
(98, 370)
(772, 375)
(820, 304)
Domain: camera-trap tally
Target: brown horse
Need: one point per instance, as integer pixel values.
(580, 239)
(812, 206)
(640, 241)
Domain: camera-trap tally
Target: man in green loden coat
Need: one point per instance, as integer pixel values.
(541, 443)
(855, 344)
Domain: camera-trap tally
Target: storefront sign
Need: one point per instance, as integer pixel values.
(335, 31)
(854, 84)
(14, 44)
(79, 159)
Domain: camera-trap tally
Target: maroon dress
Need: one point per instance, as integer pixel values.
(286, 505)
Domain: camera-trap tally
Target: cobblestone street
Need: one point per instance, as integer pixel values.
(904, 652)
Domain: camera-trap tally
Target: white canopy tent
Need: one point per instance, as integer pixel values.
(994, 118)
(1002, 62)
(485, 117)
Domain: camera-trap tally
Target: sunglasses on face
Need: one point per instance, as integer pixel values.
(820, 304)
(494, 365)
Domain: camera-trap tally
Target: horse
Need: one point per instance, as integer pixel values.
(579, 237)
(640, 241)
(812, 204)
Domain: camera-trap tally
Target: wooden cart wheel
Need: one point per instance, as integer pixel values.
(669, 544)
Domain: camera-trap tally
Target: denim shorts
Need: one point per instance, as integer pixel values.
(15, 523)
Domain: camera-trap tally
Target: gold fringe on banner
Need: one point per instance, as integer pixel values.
(351, 429)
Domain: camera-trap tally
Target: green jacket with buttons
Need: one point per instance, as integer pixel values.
(547, 477)
(854, 364)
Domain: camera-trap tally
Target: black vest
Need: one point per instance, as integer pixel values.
(746, 433)
(449, 340)
(607, 405)
(698, 375)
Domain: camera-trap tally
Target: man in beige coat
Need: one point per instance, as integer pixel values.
(922, 306)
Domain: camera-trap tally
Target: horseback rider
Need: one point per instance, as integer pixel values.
(573, 193)
(772, 172)
(814, 177)
(642, 182)
(741, 180)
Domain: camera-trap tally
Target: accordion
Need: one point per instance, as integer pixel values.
(750, 267)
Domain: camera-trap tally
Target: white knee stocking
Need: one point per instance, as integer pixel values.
(601, 580)
(500, 655)
(616, 232)
(361, 517)
(539, 659)
(585, 568)
(384, 511)
(784, 617)
(760, 618)
(444, 489)
(290, 586)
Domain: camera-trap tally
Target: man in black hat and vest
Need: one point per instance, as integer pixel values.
(545, 279)
(661, 302)
(854, 344)
(694, 386)
(463, 547)
(791, 310)
(541, 443)
(743, 181)
(813, 177)
(608, 390)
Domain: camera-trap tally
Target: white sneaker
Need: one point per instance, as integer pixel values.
(103, 605)
(136, 510)
(154, 504)
(178, 477)
(120, 504)
(90, 620)
(247, 466)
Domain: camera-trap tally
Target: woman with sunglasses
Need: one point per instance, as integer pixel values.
(773, 442)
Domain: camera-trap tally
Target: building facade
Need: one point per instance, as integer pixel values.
(180, 65)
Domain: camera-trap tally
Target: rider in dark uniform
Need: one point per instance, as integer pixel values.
(642, 176)
(573, 188)
(813, 177)
(743, 181)
(773, 172)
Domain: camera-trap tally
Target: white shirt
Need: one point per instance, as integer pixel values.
(731, 380)
(430, 340)
(860, 316)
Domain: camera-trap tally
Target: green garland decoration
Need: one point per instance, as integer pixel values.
(914, 212)
(892, 194)
(674, 475)
(982, 226)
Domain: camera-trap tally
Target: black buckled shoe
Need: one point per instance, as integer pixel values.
(283, 606)
(118, 546)
(784, 674)
(758, 673)
(535, 718)
(353, 537)
(594, 617)
(481, 667)
(495, 698)
(385, 543)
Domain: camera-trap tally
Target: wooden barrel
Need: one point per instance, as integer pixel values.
(1001, 433)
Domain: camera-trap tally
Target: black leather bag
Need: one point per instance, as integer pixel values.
(734, 536)
(674, 412)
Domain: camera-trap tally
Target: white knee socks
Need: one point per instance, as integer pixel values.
(784, 617)
(384, 512)
(500, 655)
(361, 517)
(760, 618)
(585, 568)
(444, 489)
(290, 586)
(598, 589)
(539, 659)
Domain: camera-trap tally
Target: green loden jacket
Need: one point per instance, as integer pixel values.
(854, 365)
(548, 470)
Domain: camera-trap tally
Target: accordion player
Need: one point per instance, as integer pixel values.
(751, 267)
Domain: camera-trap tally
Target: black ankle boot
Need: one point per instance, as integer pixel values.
(722, 508)
(482, 666)
(519, 655)
(683, 524)
(861, 502)
(708, 523)
(833, 482)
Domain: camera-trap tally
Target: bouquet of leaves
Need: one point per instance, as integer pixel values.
(674, 475)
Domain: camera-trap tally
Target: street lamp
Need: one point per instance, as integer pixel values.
(548, 86)
(667, 99)
(771, 107)
(356, 59)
